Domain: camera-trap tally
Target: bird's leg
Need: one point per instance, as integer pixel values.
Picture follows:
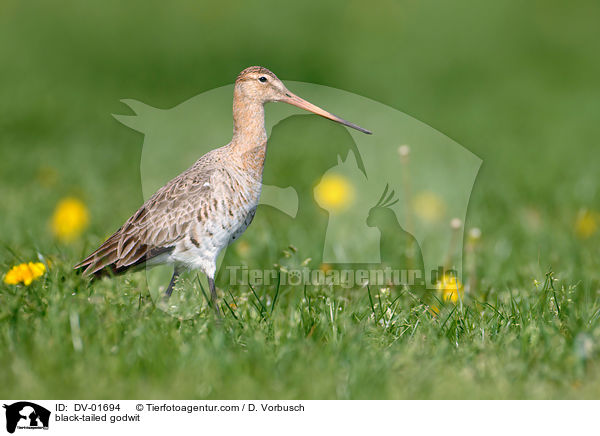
(213, 295)
(169, 290)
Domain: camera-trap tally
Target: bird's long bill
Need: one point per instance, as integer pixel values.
(303, 104)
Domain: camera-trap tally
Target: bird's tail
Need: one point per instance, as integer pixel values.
(102, 260)
(118, 255)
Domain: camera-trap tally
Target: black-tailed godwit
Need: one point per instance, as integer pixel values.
(193, 217)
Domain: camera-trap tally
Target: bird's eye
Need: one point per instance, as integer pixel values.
(262, 79)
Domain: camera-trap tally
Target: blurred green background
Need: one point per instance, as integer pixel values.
(515, 82)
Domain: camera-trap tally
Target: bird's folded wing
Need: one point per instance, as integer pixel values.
(156, 227)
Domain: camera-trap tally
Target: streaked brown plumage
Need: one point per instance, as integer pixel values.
(193, 217)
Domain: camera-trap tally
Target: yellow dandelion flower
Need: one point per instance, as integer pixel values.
(586, 223)
(334, 193)
(70, 218)
(325, 267)
(25, 273)
(450, 287)
(429, 206)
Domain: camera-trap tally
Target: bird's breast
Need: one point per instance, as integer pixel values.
(231, 207)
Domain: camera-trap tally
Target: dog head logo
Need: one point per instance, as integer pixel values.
(26, 415)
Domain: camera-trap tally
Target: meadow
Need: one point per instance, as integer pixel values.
(516, 83)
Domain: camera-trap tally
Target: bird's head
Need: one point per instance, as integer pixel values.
(261, 85)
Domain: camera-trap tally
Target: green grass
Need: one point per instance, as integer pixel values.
(515, 83)
(534, 343)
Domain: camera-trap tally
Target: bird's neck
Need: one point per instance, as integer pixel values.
(248, 125)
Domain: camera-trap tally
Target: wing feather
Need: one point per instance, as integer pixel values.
(159, 224)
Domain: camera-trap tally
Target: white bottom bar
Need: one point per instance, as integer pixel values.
(264, 417)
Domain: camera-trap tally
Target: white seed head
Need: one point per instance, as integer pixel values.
(475, 233)
(456, 223)
(404, 150)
